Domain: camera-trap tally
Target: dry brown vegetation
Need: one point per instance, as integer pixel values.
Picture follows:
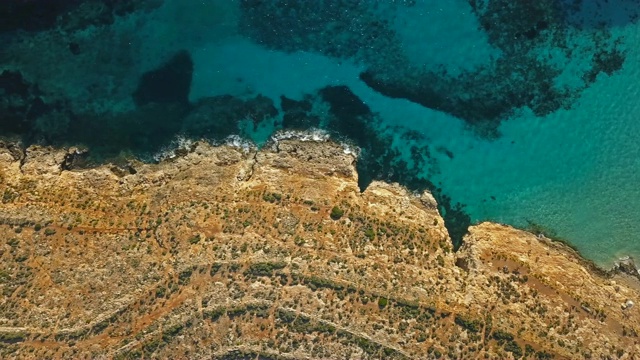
(229, 254)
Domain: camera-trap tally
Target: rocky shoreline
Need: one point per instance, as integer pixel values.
(74, 159)
(624, 265)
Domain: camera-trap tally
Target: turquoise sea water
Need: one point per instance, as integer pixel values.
(573, 168)
(576, 171)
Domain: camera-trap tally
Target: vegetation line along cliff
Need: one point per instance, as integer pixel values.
(233, 254)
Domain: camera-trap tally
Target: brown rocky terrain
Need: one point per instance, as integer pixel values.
(276, 254)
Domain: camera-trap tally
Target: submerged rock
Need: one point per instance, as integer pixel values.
(628, 266)
(170, 83)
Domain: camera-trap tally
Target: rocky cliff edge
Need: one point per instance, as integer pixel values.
(276, 254)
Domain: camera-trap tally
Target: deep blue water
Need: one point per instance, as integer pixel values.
(512, 111)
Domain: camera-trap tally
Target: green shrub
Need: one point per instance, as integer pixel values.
(336, 213)
(264, 268)
(259, 310)
(214, 314)
(8, 196)
(382, 302)
(286, 316)
(529, 350)
(543, 355)
(22, 257)
(513, 347)
(315, 282)
(151, 346)
(194, 239)
(369, 233)
(171, 332)
(502, 336)
(161, 291)
(4, 276)
(214, 268)
(237, 311)
(272, 197)
(298, 241)
(12, 337)
(185, 276)
(471, 325)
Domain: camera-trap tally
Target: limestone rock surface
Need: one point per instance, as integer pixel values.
(230, 253)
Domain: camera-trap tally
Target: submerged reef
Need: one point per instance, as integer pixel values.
(69, 15)
(525, 74)
(170, 83)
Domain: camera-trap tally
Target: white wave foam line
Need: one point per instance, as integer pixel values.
(307, 135)
(169, 151)
(313, 134)
(348, 149)
(239, 142)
